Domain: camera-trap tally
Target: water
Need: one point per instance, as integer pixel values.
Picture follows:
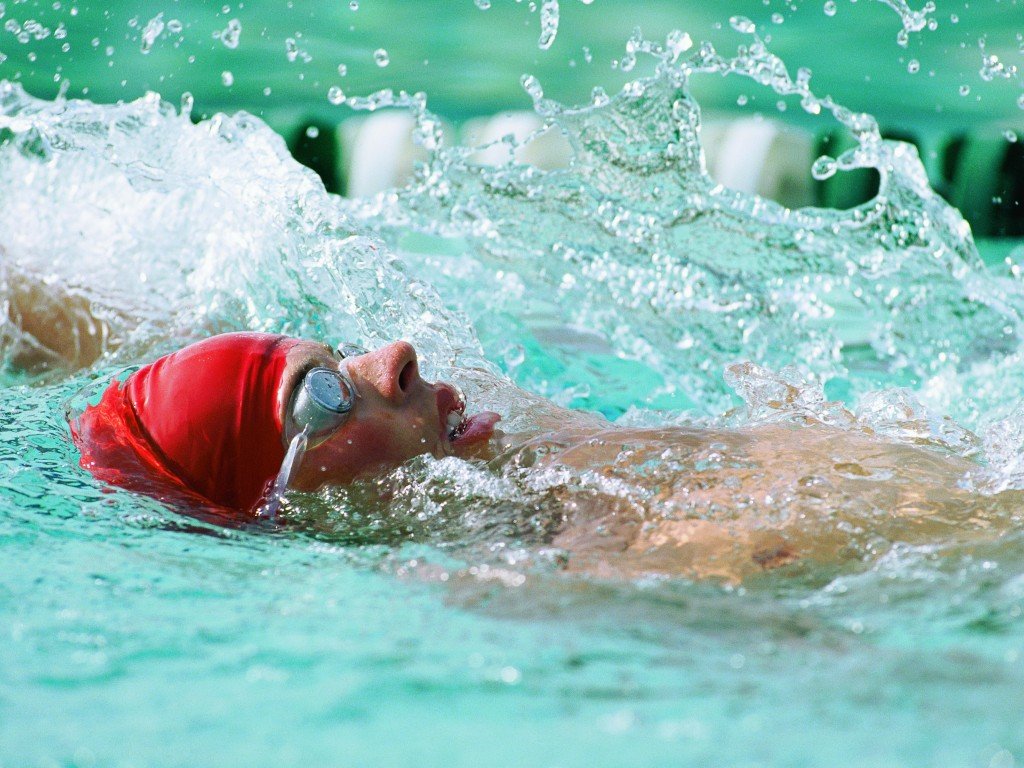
(426, 616)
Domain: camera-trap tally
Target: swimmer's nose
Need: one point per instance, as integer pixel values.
(393, 370)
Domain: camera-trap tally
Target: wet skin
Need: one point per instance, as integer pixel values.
(397, 415)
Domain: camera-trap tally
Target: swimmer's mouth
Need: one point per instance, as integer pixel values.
(456, 428)
(450, 412)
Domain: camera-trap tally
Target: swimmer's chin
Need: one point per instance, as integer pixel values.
(474, 434)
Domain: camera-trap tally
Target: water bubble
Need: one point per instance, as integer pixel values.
(353, 5)
(965, 89)
(380, 56)
(587, 55)
(187, 102)
(312, 132)
(60, 32)
(830, 8)
(227, 79)
(267, 91)
(1010, 135)
(548, 24)
(743, 25)
(342, 70)
(335, 95)
(913, 66)
(174, 26)
(483, 5)
(778, 18)
(954, 18)
(741, 99)
(231, 34)
(291, 48)
(1020, 101)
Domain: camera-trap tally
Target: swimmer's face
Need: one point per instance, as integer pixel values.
(397, 415)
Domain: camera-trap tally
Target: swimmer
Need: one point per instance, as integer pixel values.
(207, 428)
(214, 420)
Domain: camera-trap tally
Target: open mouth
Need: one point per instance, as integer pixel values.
(457, 428)
(451, 412)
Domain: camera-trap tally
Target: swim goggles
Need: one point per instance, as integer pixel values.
(323, 400)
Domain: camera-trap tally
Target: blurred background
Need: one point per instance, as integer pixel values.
(952, 87)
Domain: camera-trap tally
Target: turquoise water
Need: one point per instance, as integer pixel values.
(421, 619)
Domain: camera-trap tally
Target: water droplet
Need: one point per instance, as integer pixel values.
(532, 86)
(335, 95)
(548, 24)
(381, 57)
(514, 356)
(678, 43)
(742, 24)
(227, 79)
(913, 66)
(824, 167)
(830, 8)
(154, 28)
(231, 34)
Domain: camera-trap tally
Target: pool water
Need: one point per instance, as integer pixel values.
(432, 624)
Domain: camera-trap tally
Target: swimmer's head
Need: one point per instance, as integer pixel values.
(394, 414)
(214, 418)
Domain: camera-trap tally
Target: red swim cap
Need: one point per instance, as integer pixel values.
(204, 421)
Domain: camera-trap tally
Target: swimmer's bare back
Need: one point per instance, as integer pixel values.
(48, 325)
(726, 504)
